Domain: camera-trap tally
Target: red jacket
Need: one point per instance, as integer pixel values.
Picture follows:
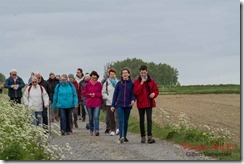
(142, 92)
(78, 90)
(93, 102)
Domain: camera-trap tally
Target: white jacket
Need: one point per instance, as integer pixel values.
(108, 97)
(35, 98)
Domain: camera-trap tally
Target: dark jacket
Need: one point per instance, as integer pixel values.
(123, 94)
(142, 92)
(12, 93)
(52, 84)
(46, 86)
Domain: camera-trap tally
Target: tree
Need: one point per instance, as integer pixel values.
(163, 74)
(2, 78)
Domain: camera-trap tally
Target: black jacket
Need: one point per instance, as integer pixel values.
(52, 84)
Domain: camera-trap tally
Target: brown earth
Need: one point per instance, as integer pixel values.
(213, 110)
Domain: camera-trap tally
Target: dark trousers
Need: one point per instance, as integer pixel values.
(44, 116)
(16, 99)
(65, 119)
(79, 106)
(148, 112)
(112, 118)
(83, 111)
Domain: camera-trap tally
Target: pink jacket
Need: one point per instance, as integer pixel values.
(96, 101)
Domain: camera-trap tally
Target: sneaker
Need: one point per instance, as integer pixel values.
(117, 132)
(87, 126)
(62, 133)
(97, 133)
(126, 140)
(150, 140)
(112, 133)
(143, 139)
(122, 139)
(91, 133)
(106, 131)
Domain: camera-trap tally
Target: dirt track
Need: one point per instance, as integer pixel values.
(214, 110)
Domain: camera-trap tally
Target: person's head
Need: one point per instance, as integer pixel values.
(94, 76)
(79, 73)
(34, 80)
(107, 73)
(64, 78)
(87, 77)
(112, 74)
(52, 76)
(39, 76)
(143, 71)
(13, 73)
(57, 77)
(125, 74)
(71, 78)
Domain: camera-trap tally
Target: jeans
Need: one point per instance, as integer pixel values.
(94, 118)
(123, 115)
(65, 119)
(148, 112)
(83, 111)
(37, 118)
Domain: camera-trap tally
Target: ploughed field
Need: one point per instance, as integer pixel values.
(213, 110)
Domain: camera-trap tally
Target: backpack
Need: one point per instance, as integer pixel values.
(41, 87)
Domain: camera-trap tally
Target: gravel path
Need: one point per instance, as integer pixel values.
(105, 147)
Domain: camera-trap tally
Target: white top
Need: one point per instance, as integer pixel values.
(35, 98)
(108, 97)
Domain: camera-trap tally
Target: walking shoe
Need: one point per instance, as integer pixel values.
(112, 133)
(122, 139)
(76, 125)
(143, 139)
(79, 117)
(97, 133)
(117, 132)
(87, 126)
(126, 140)
(91, 133)
(150, 140)
(62, 133)
(106, 131)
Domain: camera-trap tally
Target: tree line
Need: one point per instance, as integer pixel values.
(163, 74)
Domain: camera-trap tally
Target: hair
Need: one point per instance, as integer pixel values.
(80, 71)
(94, 73)
(127, 69)
(112, 70)
(143, 67)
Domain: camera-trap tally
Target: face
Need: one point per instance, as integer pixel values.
(58, 77)
(143, 73)
(87, 77)
(14, 74)
(78, 73)
(112, 75)
(52, 76)
(34, 83)
(125, 75)
(63, 79)
(39, 78)
(94, 78)
(71, 80)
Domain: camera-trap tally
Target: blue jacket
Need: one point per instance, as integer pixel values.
(12, 92)
(123, 94)
(65, 96)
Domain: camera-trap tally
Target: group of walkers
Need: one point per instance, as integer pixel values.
(70, 97)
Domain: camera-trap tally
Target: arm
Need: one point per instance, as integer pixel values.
(138, 87)
(104, 92)
(25, 97)
(155, 89)
(133, 97)
(99, 91)
(45, 97)
(55, 97)
(22, 84)
(6, 84)
(115, 96)
(75, 96)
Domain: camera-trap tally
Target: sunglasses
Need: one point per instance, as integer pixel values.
(34, 82)
(14, 74)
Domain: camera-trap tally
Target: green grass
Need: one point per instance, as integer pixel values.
(192, 138)
(201, 89)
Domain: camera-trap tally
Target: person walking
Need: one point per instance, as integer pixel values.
(52, 82)
(74, 113)
(65, 98)
(14, 84)
(80, 79)
(146, 90)
(123, 100)
(107, 93)
(34, 97)
(93, 93)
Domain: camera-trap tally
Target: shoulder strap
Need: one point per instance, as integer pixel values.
(41, 88)
(29, 89)
(107, 87)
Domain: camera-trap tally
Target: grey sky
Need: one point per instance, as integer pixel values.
(201, 38)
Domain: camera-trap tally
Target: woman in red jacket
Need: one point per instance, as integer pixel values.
(145, 90)
(93, 93)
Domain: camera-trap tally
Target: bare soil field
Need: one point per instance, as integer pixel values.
(214, 110)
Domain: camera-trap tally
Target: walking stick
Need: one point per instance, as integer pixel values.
(49, 119)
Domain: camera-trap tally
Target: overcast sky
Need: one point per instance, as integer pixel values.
(201, 38)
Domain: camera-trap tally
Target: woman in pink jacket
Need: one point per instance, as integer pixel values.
(93, 93)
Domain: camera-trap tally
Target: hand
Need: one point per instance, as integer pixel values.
(143, 80)
(12, 86)
(76, 107)
(152, 95)
(112, 109)
(132, 102)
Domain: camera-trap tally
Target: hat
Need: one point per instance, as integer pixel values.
(71, 76)
(51, 74)
(65, 76)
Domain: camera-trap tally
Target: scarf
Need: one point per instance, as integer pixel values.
(113, 81)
